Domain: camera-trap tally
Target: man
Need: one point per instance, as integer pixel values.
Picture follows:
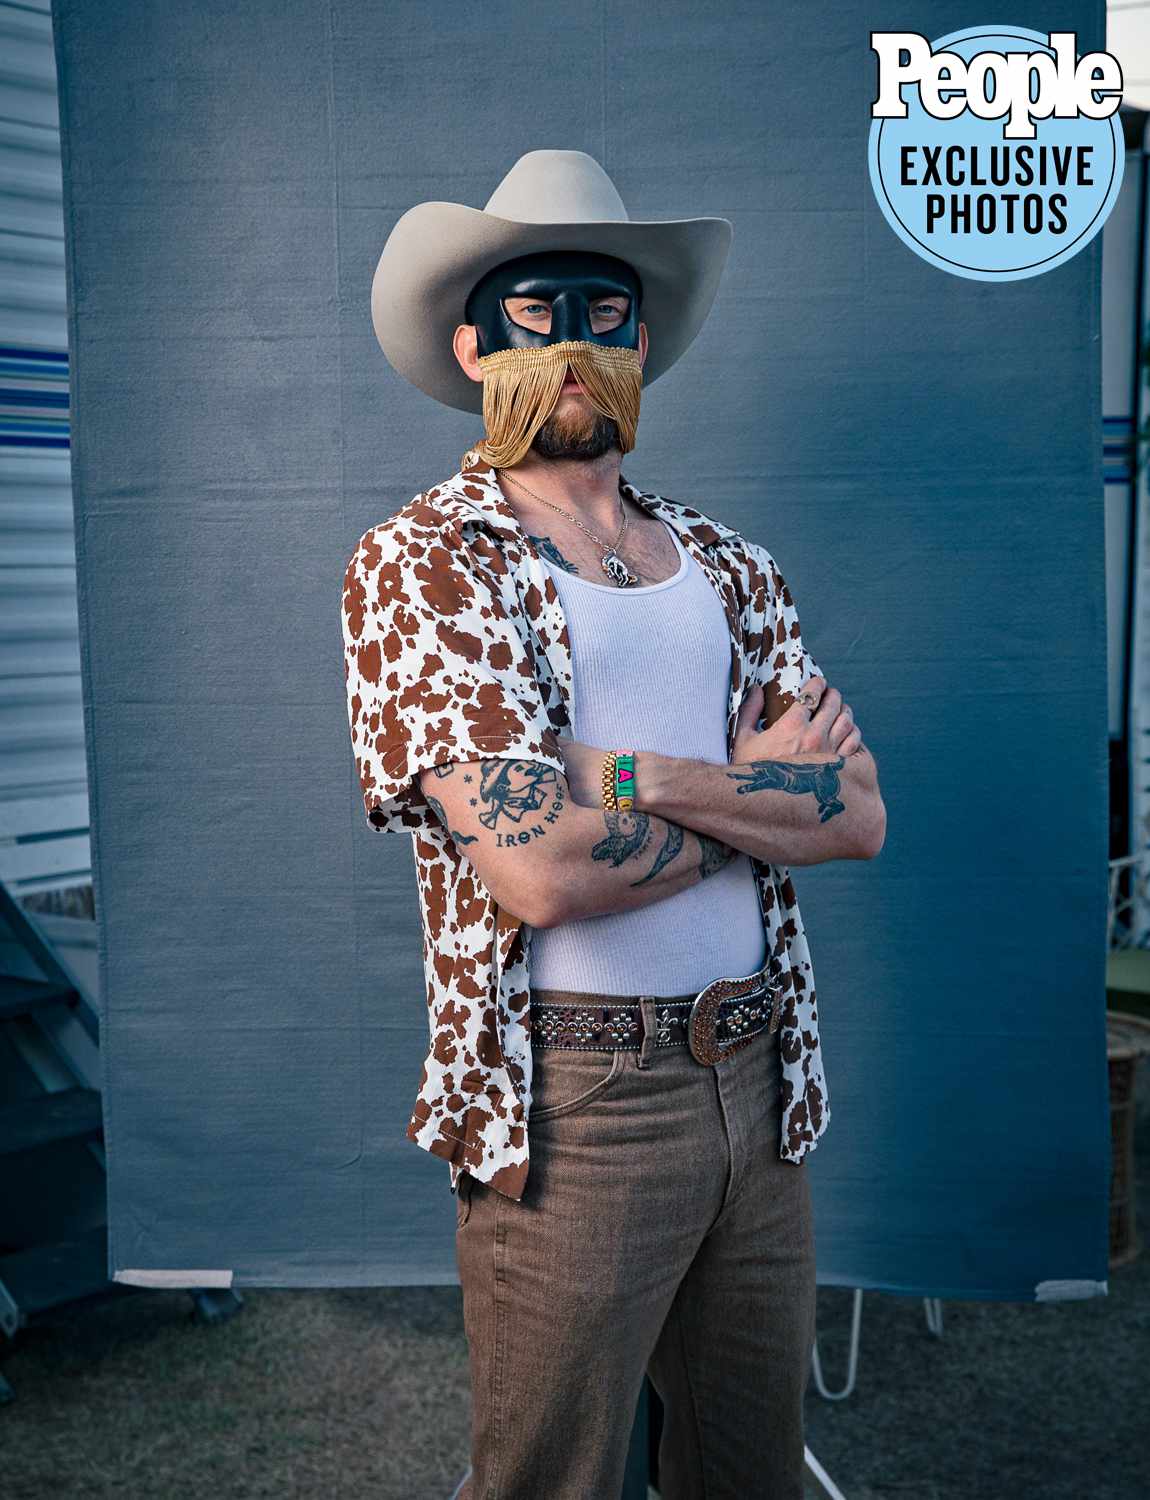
(556, 683)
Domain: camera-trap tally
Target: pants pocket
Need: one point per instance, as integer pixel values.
(564, 1080)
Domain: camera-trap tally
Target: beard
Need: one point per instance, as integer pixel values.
(522, 393)
(579, 432)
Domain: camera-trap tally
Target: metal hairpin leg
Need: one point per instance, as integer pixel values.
(824, 1481)
(458, 1490)
(932, 1306)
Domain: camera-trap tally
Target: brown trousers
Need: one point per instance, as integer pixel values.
(661, 1233)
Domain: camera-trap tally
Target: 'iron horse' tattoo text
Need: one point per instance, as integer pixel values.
(519, 792)
(821, 778)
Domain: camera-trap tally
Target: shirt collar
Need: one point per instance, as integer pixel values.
(479, 487)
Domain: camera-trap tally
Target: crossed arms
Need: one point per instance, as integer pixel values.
(801, 791)
(551, 858)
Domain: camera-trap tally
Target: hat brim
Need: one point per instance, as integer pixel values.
(436, 252)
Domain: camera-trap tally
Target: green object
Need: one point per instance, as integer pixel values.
(625, 778)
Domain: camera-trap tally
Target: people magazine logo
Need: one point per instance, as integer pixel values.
(995, 152)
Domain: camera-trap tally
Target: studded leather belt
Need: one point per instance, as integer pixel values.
(722, 1017)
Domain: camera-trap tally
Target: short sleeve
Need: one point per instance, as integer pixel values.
(435, 669)
(787, 664)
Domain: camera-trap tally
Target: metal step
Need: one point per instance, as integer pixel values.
(20, 996)
(20, 927)
(31, 1281)
(68, 1114)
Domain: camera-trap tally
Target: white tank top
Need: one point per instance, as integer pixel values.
(652, 670)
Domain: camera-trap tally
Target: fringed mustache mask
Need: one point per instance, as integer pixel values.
(524, 369)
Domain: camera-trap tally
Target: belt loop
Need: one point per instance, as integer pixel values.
(647, 1012)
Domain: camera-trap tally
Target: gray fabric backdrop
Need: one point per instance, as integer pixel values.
(921, 453)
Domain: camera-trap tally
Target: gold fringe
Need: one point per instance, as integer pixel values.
(522, 385)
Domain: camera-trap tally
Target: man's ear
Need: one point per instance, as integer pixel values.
(465, 343)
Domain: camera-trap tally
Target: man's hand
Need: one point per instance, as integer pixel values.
(829, 730)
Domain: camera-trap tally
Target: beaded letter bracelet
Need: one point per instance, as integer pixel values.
(624, 780)
(619, 780)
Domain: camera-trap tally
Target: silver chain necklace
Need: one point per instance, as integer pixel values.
(612, 564)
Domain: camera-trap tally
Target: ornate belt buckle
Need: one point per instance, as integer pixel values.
(703, 1019)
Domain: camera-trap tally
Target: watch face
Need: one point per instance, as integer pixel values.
(554, 295)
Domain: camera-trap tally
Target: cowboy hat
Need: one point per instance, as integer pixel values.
(549, 200)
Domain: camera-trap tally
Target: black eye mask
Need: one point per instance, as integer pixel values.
(572, 281)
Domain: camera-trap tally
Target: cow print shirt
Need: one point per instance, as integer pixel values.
(455, 648)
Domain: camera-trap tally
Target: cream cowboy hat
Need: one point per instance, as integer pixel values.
(549, 200)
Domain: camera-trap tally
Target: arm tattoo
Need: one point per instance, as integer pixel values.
(629, 835)
(791, 776)
(460, 838)
(715, 854)
(551, 552)
(522, 795)
(671, 846)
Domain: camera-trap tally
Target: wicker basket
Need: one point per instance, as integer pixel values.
(1127, 1038)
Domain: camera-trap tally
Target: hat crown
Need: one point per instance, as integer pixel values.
(557, 187)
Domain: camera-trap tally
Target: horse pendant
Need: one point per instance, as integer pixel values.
(617, 571)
